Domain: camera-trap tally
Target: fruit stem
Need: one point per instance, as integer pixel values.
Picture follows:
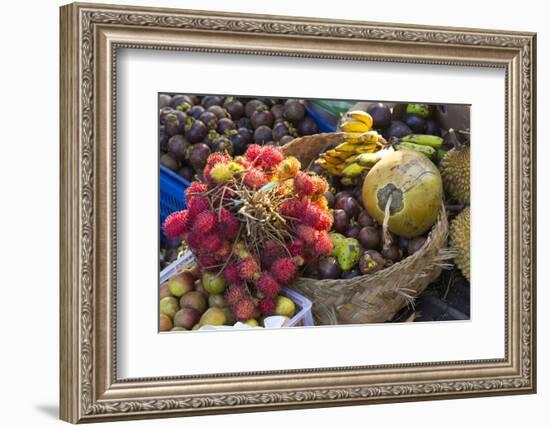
(457, 144)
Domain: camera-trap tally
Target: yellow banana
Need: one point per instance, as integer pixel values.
(342, 155)
(351, 159)
(332, 160)
(362, 116)
(346, 148)
(353, 170)
(352, 125)
(366, 149)
(367, 159)
(422, 139)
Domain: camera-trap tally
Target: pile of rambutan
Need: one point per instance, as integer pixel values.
(256, 219)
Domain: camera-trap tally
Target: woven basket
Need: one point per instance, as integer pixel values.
(376, 297)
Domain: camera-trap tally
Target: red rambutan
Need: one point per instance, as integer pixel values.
(270, 157)
(244, 309)
(204, 223)
(317, 218)
(271, 251)
(267, 306)
(176, 224)
(304, 184)
(284, 270)
(297, 248)
(194, 240)
(211, 243)
(207, 261)
(234, 294)
(307, 234)
(228, 225)
(231, 274)
(248, 268)
(225, 250)
(253, 152)
(196, 188)
(323, 246)
(320, 184)
(292, 208)
(196, 205)
(255, 179)
(215, 158)
(267, 285)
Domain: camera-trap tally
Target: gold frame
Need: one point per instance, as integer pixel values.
(90, 35)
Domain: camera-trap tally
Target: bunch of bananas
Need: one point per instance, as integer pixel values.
(359, 140)
(425, 144)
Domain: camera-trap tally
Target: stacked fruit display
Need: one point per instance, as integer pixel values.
(254, 221)
(193, 127)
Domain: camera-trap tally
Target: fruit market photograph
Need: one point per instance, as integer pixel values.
(282, 212)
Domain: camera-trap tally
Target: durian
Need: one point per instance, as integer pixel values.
(455, 171)
(459, 235)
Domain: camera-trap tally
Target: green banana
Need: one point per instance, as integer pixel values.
(353, 170)
(422, 139)
(424, 149)
(368, 159)
(349, 181)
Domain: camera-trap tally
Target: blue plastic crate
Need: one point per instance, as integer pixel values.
(172, 194)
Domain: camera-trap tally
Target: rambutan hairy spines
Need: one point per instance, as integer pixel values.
(207, 262)
(284, 270)
(267, 306)
(289, 167)
(297, 248)
(196, 205)
(205, 223)
(253, 152)
(270, 157)
(216, 158)
(307, 234)
(195, 189)
(231, 274)
(267, 285)
(320, 184)
(228, 224)
(212, 242)
(176, 224)
(244, 309)
(255, 179)
(248, 268)
(272, 250)
(234, 293)
(304, 184)
(225, 250)
(323, 246)
(291, 208)
(194, 240)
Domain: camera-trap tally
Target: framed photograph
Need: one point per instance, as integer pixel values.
(270, 212)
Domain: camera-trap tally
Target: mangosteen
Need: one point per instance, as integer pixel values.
(364, 219)
(330, 198)
(381, 115)
(353, 231)
(392, 253)
(199, 155)
(223, 144)
(307, 126)
(286, 139)
(240, 139)
(329, 268)
(349, 205)
(397, 129)
(247, 134)
(234, 107)
(341, 220)
(218, 111)
(181, 100)
(163, 138)
(280, 129)
(432, 127)
(163, 112)
(416, 123)
(370, 237)
(263, 135)
(277, 111)
(261, 117)
(195, 130)
(210, 100)
(415, 244)
(209, 119)
(403, 244)
(174, 122)
(196, 111)
(350, 274)
(293, 110)
(186, 173)
(225, 124)
(164, 100)
(244, 122)
(371, 261)
(210, 138)
(177, 146)
(252, 105)
(168, 161)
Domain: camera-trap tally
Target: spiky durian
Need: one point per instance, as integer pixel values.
(455, 171)
(460, 241)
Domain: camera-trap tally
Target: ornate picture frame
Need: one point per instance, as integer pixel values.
(90, 37)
